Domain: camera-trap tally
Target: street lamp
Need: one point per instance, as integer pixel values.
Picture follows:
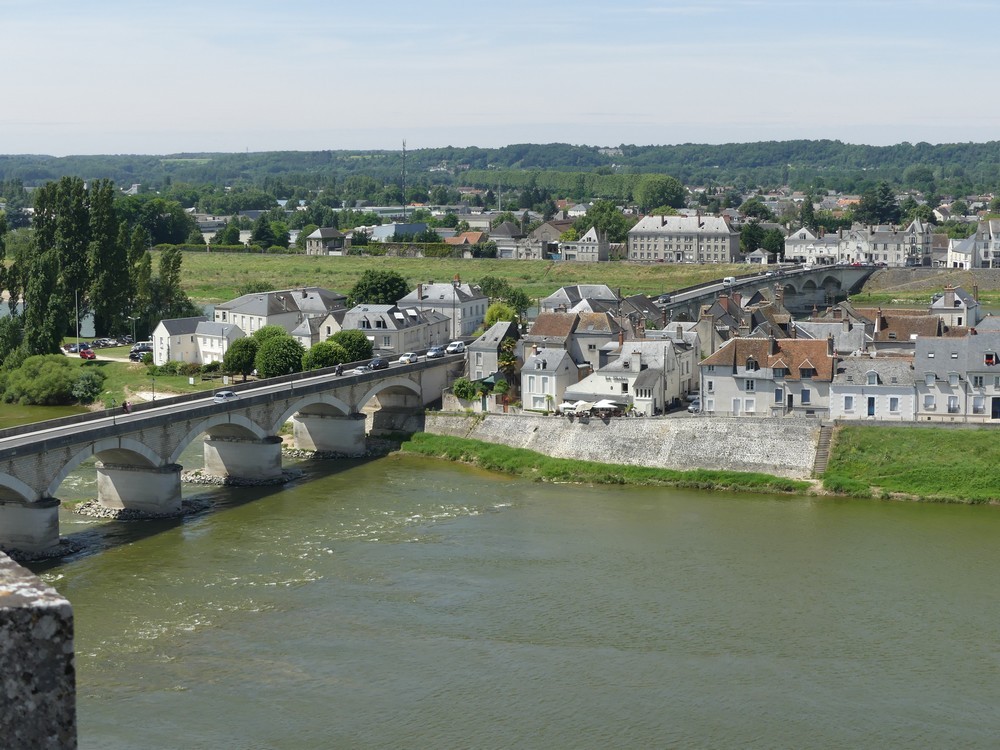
(133, 319)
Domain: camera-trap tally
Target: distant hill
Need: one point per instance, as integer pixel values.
(958, 167)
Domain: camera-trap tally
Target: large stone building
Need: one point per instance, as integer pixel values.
(684, 239)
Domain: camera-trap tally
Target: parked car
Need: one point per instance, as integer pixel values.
(695, 406)
(224, 397)
(137, 356)
(407, 358)
(378, 364)
(455, 347)
(71, 348)
(87, 354)
(434, 352)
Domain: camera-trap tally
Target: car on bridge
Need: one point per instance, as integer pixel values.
(455, 347)
(378, 364)
(407, 358)
(434, 352)
(224, 397)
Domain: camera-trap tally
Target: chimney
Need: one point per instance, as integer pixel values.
(838, 313)
(744, 330)
(975, 292)
(621, 337)
(779, 295)
(829, 346)
(420, 292)
(847, 325)
(680, 332)
(664, 318)
(772, 345)
(878, 320)
(636, 360)
(949, 297)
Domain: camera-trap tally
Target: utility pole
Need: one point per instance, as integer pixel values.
(404, 181)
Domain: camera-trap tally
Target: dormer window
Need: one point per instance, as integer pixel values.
(990, 359)
(929, 378)
(752, 365)
(873, 378)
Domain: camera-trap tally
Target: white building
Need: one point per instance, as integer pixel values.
(546, 375)
(684, 239)
(463, 305)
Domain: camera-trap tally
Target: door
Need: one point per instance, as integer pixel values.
(995, 408)
(736, 407)
(871, 406)
(790, 400)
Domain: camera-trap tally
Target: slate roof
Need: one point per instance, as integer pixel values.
(890, 370)
(181, 326)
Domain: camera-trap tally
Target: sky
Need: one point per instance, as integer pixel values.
(157, 77)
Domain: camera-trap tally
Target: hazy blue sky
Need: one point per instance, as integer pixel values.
(109, 76)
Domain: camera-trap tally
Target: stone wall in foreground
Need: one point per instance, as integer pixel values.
(37, 671)
(783, 447)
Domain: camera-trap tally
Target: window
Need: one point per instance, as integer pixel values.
(531, 383)
(953, 379)
(990, 358)
(928, 402)
(710, 386)
(872, 378)
(806, 396)
(894, 404)
(545, 383)
(749, 405)
(752, 365)
(779, 395)
(953, 404)
(977, 381)
(748, 385)
(779, 372)
(928, 378)
(807, 372)
(625, 387)
(386, 342)
(978, 405)
(848, 403)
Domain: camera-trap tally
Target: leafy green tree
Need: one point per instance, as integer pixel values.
(877, 206)
(240, 356)
(253, 287)
(498, 311)
(88, 385)
(324, 354)
(463, 389)
(959, 208)
(507, 359)
(494, 287)
(378, 288)
(751, 236)
(659, 190)
(263, 234)
(773, 242)
(355, 343)
(264, 333)
(228, 235)
(664, 211)
(519, 300)
(995, 204)
(42, 380)
(606, 216)
(570, 235)
(108, 291)
(755, 208)
(279, 355)
(304, 232)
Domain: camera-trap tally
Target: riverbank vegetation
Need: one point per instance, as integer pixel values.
(530, 465)
(935, 464)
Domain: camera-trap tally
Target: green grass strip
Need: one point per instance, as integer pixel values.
(538, 467)
(934, 464)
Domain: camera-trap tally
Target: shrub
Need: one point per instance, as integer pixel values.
(88, 386)
(210, 367)
(189, 368)
(464, 389)
(42, 380)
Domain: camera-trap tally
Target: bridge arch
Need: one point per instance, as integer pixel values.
(322, 404)
(12, 488)
(109, 450)
(391, 384)
(231, 425)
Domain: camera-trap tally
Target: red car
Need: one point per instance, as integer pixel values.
(87, 354)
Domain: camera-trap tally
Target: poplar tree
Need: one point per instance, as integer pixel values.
(108, 294)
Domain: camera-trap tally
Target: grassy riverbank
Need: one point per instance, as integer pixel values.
(934, 464)
(530, 465)
(214, 277)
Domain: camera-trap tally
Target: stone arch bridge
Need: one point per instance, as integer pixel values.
(137, 453)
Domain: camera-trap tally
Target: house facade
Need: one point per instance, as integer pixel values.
(958, 379)
(463, 305)
(174, 340)
(483, 354)
(325, 241)
(286, 308)
(882, 244)
(590, 248)
(394, 330)
(874, 389)
(684, 239)
(545, 376)
(768, 377)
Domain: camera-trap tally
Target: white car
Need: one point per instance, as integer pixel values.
(455, 347)
(408, 358)
(224, 397)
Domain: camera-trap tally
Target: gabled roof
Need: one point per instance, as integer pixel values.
(181, 326)
(220, 330)
(793, 354)
(495, 334)
(325, 233)
(553, 325)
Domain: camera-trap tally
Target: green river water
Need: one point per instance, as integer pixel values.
(409, 603)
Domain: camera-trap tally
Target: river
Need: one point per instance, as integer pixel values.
(409, 603)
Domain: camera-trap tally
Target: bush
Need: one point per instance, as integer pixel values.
(42, 380)
(211, 367)
(88, 386)
(189, 368)
(464, 389)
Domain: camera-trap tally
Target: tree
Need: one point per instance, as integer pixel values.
(108, 293)
(240, 357)
(324, 354)
(355, 343)
(773, 242)
(807, 214)
(507, 358)
(42, 380)
(877, 206)
(519, 300)
(262, 234)
(755, 208)
(279, 355)
(498, 311)
(608, 219)
(378, 288)
(264, 333)
(463, 389)
(959, 208)
(228, 235)
(751, 236)
(659, 190)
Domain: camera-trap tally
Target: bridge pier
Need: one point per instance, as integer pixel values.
(335, 434)
(29, 526)
(150, 489)
(243, 458)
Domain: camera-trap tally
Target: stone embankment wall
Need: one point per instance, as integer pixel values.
(37, 672)
(782, 447)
